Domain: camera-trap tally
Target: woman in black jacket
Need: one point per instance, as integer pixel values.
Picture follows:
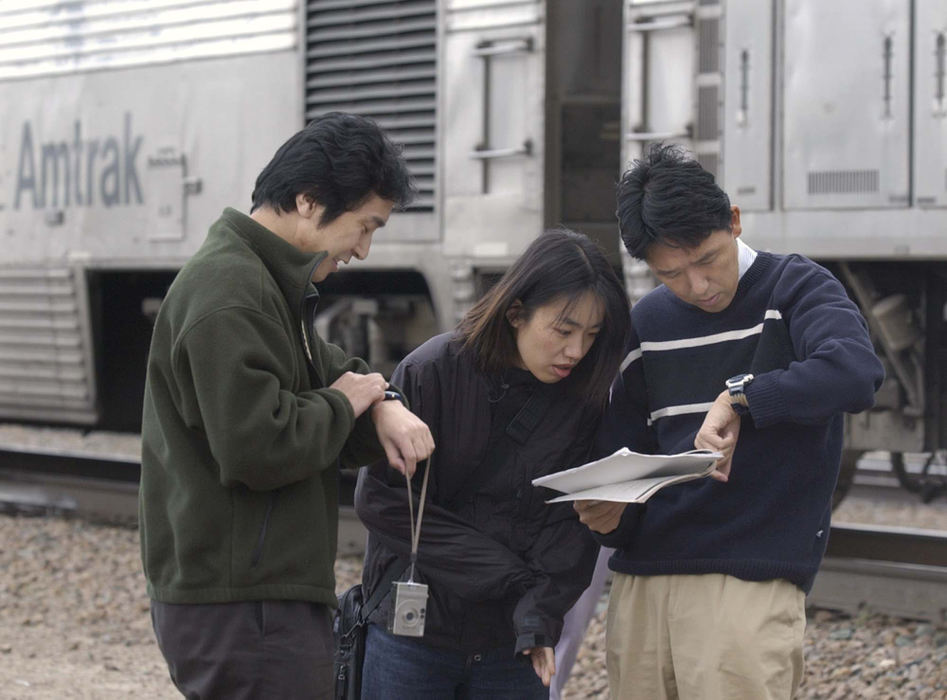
(514, 393)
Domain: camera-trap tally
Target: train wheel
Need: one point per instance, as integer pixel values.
(846, 475)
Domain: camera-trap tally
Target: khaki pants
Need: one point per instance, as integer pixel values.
(707, 636)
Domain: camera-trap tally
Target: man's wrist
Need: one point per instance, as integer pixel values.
(382, 405)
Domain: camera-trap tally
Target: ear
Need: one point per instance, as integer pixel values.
(514, 314)
(305, 207)
(735, 227)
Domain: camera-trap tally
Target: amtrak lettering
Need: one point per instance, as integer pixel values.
(78, 173)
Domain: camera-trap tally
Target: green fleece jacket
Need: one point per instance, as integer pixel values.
(241, 438)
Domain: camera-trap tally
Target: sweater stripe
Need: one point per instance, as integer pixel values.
(698, 341)
(631, 357)
(681, 410)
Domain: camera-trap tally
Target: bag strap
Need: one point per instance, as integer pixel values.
(519, 429)
(381, 590)
(529, 416)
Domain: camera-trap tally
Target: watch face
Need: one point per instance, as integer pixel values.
(739, 381)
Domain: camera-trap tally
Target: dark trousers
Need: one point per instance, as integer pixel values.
(405, 668)
(238, 651)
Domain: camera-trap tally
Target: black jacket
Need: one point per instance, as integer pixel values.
(503, 567)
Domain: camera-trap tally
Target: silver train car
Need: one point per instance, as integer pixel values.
(128, 125)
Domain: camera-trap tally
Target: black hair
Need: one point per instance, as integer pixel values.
(667, 197)
(338, 161)
(558, 264)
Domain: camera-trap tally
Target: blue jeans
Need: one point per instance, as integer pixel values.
(404, 668)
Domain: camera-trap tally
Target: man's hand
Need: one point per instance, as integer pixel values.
(406, 438)
(544, 663)
(362, 390)
(719, 433)
(599, 516)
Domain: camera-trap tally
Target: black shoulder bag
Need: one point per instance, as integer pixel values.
(349, 628)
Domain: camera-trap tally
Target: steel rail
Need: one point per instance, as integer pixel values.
(48, 479)
(894, 570)
(103, 486)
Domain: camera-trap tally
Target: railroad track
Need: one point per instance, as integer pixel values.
(101, 486)
(58, 480)
(899, 571)
(894, 570)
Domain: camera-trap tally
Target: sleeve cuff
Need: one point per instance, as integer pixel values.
(623, 533)
(765, 399)
(531, 640)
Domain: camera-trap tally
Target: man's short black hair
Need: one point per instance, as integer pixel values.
(338, 161)
(668, 197)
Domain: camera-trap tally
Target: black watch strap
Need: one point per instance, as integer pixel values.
(392, 395)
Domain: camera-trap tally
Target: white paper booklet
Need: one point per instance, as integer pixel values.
(628, 477)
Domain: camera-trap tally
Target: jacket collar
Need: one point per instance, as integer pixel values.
(290, 267)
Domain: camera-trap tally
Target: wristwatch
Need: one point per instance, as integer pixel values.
(736, 386)
(392, 395)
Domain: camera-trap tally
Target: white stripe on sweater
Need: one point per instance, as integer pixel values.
(680, 410)
(659, 346)
(629, 358)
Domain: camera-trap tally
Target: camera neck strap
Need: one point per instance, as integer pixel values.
(416, 528)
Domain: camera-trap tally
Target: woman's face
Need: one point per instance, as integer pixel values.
(551, 343)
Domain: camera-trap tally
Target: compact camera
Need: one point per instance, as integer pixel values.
(407, 613)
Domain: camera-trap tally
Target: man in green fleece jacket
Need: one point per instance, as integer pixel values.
(249, 414)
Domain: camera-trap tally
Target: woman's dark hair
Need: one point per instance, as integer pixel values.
(668, 197)
(338, 161)
(559, 264)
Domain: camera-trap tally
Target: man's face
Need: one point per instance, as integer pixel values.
(347, 236)
(705, 276)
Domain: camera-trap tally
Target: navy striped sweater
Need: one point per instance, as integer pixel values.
(793, 327)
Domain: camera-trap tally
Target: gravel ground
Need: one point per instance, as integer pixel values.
(74, 616)
(74, 624)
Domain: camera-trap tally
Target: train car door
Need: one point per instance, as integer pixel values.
(827, 92)
(930, 103)
(492, 126)
(659, 64)
(747, 112)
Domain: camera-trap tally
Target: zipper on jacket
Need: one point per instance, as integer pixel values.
(308, 313)
(258, 550)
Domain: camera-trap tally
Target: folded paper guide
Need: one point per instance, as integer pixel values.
(628, 477)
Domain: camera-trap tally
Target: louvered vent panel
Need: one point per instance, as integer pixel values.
(43, 351)
(708, 45)
(377, 58)
(49, 37)
(843, 181)
(707, 113)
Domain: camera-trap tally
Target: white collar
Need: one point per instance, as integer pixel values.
(746, 256)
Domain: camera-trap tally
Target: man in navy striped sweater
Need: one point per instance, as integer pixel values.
(754, 355)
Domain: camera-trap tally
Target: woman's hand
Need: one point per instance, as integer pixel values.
(599, 516)
(544, 663)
